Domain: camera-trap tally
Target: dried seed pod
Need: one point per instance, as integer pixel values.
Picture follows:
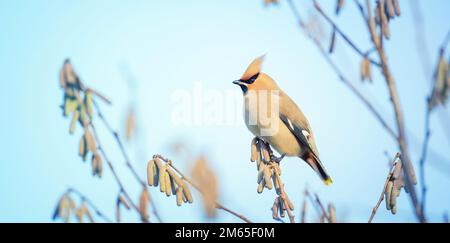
(377, 15)
(332, 41)
(173, 184)
(143, 201)
(393, 200)
(90, 141)
(275, 209)
(157, 170)
(179, 195)
(130, 125)
(79, 214)
(168, 185)
(187, 193)
(70, 105)
(73, 122)
(276, 183)
(339, 6)
(184, 197)
(363, 69)
(99, 166)
(175, 177)
(368, 70)
(267, 174)
(254, 150)
(388, 195)
(332, 213)
(281, 207)
(88, 102)
(82, 151)
(150, 172)
(372, 28)
(289, 203)
(265, 153)
(384, 20)
(397, 169)
(162, 180)
(390, 9)
(96, 165)
(397, 7)
(261, 186)
(260, 175)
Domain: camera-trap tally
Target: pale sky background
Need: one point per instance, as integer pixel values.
(173, 45)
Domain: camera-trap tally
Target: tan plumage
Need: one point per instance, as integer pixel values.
(292, 134)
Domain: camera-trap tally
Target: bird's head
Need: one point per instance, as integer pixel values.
(253, 78)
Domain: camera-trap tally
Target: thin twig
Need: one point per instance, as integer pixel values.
(408, 168)
(344, 80)
(389, 176)
(343, 35)
(90, 203)
(183, 177)
(116, 176)
(324, 212)
(423, 157)
(304, 208)
(126, 157)
(427, 129)
(318, 205)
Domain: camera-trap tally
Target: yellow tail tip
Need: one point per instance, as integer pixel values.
(328, 182)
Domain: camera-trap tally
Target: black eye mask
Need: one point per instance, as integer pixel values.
(252, 79)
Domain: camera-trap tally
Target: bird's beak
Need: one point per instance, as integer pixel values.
(238, 82)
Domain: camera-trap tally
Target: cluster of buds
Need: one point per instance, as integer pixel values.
(170, 183)
(78, 103)
(269, 176)
(384, 12)
(366, 72)
(441, 83)
(66, 207)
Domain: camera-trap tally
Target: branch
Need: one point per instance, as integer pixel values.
(90, 203)
(393, 93)
(126, 157)
(343, 35)
(183, 177)
(116, 177)
(318, 205)
(391, 172)
(343, 79)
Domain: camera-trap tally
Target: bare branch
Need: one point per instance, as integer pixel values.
(89, 202)
(126, 157)
(391, 171)
(342, 34)
(183, 177)
(344, 80)
(410, 178)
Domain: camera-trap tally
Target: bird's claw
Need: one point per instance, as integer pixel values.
(277, 159)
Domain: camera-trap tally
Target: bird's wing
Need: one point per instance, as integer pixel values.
(296, 121)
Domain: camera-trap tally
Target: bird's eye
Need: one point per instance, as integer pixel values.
(253, 78)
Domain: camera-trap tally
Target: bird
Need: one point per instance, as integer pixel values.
(287, 129)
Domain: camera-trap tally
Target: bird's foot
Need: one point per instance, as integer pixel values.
(277, 159)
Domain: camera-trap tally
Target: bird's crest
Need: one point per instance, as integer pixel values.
(253, 68)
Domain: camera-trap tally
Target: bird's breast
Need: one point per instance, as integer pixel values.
(264, 122)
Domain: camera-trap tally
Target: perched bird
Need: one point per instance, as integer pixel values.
(286, 129)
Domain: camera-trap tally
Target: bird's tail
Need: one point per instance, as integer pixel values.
(317, 166)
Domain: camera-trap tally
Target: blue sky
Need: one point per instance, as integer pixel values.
(173, 45)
